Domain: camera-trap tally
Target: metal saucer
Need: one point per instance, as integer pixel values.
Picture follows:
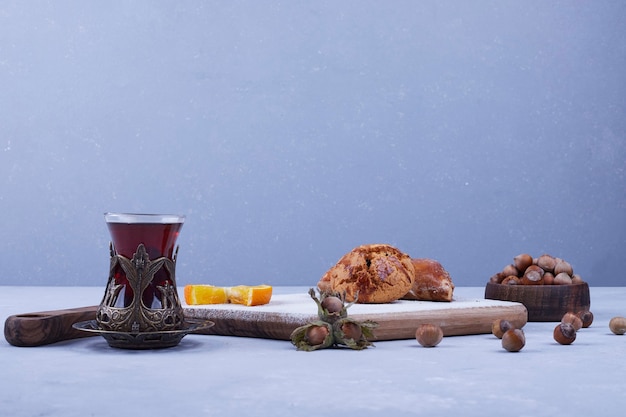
(144, 340)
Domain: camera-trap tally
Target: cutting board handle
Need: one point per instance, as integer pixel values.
(45, 327)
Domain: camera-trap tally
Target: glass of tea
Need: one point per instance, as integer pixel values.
(141, 292)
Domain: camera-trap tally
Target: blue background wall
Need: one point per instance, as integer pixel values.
(290, 132)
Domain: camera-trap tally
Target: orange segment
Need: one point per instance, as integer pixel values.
(205, 294)
(255, 295)
(250, 295)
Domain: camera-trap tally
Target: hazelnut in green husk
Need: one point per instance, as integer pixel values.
(330, 306)
(352, 333)
(333, 327)
(313, 336)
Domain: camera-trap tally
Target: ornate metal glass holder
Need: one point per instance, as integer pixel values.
(140, 308)
(137, 317)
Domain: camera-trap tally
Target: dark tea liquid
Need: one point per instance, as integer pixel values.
(159, 240)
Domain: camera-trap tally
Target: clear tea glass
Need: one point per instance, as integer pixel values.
(143, 260)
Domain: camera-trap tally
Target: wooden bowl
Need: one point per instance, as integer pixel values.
(543, 302)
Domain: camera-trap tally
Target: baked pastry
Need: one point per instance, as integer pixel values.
(379, 273)
(432, 282)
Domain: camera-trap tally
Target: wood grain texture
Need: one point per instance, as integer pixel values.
(395, 321)
(278, 319)
(544, 302)
(262, 325)
(453, 322)
(45, 327)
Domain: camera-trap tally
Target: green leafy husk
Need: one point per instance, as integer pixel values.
(362, 342)
(334, 322)
(324, 314)
(299, 339)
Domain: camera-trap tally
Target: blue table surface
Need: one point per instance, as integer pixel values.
(224, 376)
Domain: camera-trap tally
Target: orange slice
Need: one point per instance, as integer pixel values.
(205, 294)
(250, 295)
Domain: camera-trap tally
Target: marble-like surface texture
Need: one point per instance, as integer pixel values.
(232, 376)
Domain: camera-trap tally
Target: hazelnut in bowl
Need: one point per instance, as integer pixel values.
(547, 286)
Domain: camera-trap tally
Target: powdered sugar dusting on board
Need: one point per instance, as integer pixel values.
(396, 320)
(303, 305)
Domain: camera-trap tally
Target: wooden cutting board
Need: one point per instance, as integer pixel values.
(283, 314)
(397, 320)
